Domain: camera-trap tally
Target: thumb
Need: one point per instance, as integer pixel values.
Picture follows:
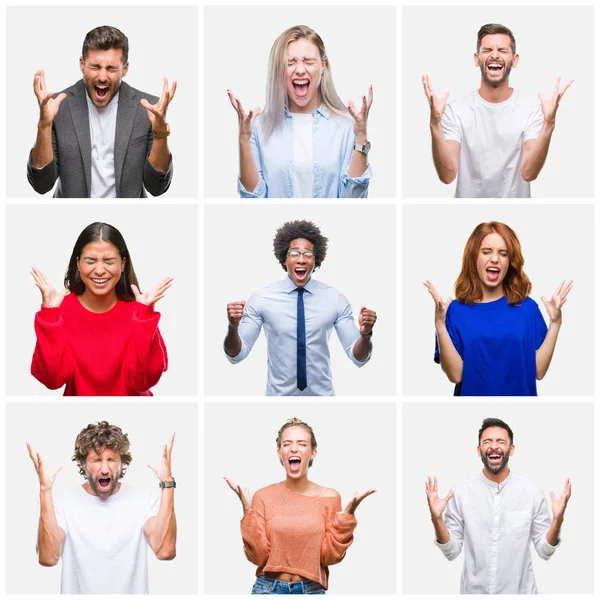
(552, 496)
(135, 290)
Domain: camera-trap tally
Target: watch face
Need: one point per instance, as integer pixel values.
(367, 148)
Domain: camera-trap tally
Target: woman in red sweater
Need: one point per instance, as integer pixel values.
(99, 336)
(295, 529)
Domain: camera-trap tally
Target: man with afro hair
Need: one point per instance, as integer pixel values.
(298, 314)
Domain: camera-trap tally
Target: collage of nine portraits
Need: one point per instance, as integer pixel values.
(203, 213)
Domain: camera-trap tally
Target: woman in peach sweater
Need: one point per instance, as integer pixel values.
(295, 529)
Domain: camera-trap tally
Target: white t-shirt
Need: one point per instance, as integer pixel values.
(491, 137)
(105, 549)
(303, 171)
(103, 126)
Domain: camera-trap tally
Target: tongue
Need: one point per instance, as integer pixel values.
(294, 467)
(301, 89)
(101, 92)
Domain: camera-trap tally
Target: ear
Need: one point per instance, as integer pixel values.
(512, 450)
(81, 63)
(313, 454)
(324, 61)
(515, 60)
(123, 260)
(479, 451)
(125, 69)
(279, 455)
(476, 59)
(78, 263)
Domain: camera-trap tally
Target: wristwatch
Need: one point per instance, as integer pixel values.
(367, 335)
(364, 148)
(167, 484)
(166, 132)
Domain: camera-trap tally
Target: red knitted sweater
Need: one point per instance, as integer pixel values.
(116, 353)
(288, 532)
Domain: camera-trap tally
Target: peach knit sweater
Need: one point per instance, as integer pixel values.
(288, 532)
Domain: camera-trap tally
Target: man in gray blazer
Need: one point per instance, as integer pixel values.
(101, 138)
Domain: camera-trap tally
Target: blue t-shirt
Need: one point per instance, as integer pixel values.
(497, 342)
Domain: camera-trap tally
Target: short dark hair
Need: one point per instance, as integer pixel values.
(100, 436)
(293, 230)
(94, 233)
(106, 37)
(491, 29)
(493, 422)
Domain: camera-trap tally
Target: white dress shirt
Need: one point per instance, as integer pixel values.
(275, 308)
(496, 523)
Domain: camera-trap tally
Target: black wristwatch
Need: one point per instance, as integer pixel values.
(167, 484)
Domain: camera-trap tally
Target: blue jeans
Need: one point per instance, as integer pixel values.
(266, 585)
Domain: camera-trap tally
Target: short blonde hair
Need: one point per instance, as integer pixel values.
(295, 422)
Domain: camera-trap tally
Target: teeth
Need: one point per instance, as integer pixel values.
(99, 280)
(300, 81)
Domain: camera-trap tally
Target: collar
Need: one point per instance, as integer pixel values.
(290, 286)
(492, 484)
(322, 110)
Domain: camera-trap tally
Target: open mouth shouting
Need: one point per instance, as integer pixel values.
(492, 273)
(294, 463)
(301, 87)
(301, 273)
(495, 460)
(495, 66)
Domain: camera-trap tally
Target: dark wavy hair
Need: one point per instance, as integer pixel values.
(493, 422)
(101, 436)
(293, 230)
(106, 37)
(101, 232)
(494, 28)
(516, 284)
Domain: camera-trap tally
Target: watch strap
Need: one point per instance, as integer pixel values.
(167, 484)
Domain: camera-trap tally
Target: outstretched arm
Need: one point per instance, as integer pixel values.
(359, 161)
(161, 530)
(536, 151)
(559, 505)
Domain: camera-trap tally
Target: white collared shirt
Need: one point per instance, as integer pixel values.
(496, 523)
(103, 127)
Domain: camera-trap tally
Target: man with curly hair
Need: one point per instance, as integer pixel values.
(298, 314)
(102, 528)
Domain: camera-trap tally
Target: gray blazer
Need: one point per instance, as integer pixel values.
(71, 142)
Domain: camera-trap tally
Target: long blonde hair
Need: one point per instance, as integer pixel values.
(276, 99)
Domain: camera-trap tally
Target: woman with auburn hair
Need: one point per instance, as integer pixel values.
(99, 335)
(293, 530)
(306, 143)
(492, 340)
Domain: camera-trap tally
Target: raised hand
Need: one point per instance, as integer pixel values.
(559, 505)
(366, 320)
(235, 312)
(356, 500)
(245, 120)
(554, 306)
(48, 104)
(45, 475)
(550, 105)
(360, 116)
(155, 294)
(441, 305)
(163, 470)
(437, 105)
(157, 113)
(243, 494)
(437, 505)
(50, 297)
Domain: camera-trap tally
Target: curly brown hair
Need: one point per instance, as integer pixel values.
(295, 422)
(516, 284)
(294, 230)
(100, 436)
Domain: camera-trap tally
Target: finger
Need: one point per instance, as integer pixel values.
(556, 85)
(363, 109)
(135, 290)
(557, 291)
(435, 483)
(352, 109)
(233, 101)
(447, 498)
(60, 98)
(552, 496)
(171, 442)
(172, 91)
(32, 453)
(370, 97)
(562, 92)
(240, 107)
(230, 483)
(165, 91)
(45, 99)
(57, 470)
(148, 106)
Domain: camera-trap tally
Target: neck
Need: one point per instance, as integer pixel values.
(301, 485)
(98, 304)
(308, 109)
(497, 477)
(495, 94)
(490, 295)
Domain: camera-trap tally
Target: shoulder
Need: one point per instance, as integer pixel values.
(467, 485)
(133, 93)
(268, 290)
(464, 102)
(331, 493)
(528, 304)
(527, 101)
(268, 492)
(69, 304)
(73, 90)
(525, 484)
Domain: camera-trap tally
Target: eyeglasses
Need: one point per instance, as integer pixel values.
(296, 254)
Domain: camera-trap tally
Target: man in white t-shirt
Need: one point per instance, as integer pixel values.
(495, 138)
(101, 529)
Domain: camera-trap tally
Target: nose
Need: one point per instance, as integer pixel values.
(300, 68)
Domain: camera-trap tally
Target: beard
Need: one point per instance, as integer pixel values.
(115, 478)
(501, 465)
(493, 82)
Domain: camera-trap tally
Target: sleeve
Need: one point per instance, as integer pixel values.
(152, 506)
(254, 533)
(540, 327)
(146, 357)
(339, 533)
(156, 182)
(455, 526)
(42, 179)
(534, 123)
(53, 363)
(60, 513)
(353, 187)
(347, 331)
(454, 334)
(261, 190)
(539, 527)
(248, 330)
(451, 125)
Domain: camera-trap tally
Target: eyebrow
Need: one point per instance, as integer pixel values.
(490, 248)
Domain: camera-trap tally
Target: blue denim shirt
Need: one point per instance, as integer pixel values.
(333, 144)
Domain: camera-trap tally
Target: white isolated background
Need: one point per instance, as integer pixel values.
(162, 43)
(361, 46)
(552, 41)
(44, 236)
(360, 263)
(356, 445)
(557, 242)
(51, 428)
(552, 441)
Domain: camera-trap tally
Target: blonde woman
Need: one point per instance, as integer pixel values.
(306, 143)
